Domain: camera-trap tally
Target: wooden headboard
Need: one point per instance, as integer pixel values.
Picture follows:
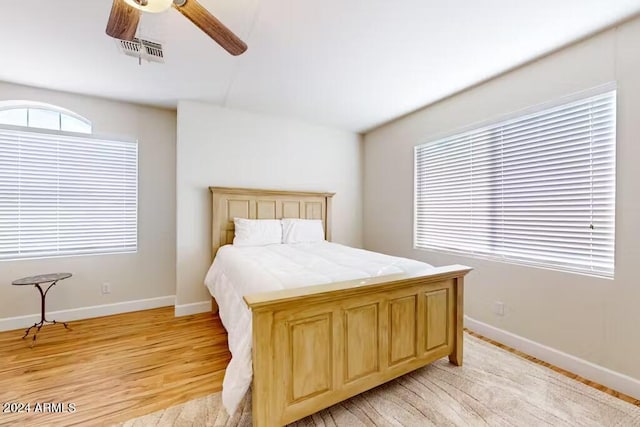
(229, 203)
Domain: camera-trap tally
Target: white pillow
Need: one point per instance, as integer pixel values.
(257, 232)
(302, 230)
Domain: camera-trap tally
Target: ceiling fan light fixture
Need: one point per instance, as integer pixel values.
(152, 6)
(125, 16)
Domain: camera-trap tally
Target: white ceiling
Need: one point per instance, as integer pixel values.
(350, 64)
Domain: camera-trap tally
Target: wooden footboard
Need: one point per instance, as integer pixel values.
(316, 346)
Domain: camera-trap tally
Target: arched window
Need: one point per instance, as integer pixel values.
(63, 190)
(42, 116)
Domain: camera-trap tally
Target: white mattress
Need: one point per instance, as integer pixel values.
(238, 271)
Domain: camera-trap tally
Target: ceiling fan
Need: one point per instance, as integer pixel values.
(125, 14)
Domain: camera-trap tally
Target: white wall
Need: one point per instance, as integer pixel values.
(222, 147)
(150, 272)
(593, 319)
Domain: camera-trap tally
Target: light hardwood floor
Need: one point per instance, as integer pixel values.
(119, 367)
(113, 368)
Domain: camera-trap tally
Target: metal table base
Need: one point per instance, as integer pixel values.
(43, 319)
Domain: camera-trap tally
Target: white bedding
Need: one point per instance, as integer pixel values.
(238, 271)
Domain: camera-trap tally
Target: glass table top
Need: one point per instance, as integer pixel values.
(41, 278)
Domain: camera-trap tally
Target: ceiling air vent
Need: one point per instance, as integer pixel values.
(142, 49)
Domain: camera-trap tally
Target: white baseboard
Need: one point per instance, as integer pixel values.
(193, 308)
(608, 378)
(19, 322)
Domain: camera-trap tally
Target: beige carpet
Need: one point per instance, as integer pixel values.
(493, 388)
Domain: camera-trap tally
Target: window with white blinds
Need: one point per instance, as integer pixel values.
(66, 195)
(538, 189)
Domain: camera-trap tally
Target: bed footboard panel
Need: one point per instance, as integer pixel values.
(312, 351)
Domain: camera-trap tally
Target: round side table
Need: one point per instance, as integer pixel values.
(36, 281)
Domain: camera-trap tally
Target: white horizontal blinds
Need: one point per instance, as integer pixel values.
(443, 195)
(538, 189)
(66, 195)
(558, 179)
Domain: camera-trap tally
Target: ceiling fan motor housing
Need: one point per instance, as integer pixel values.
(152, 6)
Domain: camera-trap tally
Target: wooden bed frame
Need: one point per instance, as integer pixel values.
(319, 345)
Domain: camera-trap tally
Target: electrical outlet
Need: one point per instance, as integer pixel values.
(106, 288)
(498, 308)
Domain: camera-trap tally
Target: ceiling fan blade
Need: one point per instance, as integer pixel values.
(208, 23)
(123, 21)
